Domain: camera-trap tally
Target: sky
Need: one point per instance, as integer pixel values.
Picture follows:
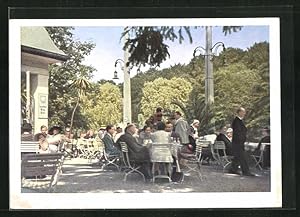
(109, 46)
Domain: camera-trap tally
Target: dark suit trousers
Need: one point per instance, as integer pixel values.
(239, 159)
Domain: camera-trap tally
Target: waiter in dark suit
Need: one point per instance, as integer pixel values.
(238, 140)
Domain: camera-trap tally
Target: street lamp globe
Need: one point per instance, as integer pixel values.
(115, 75)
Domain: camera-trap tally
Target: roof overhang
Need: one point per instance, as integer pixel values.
(44, 53)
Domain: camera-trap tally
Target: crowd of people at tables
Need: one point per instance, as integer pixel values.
(156, 130)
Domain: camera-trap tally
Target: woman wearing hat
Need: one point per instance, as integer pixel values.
(194, 128)
(193, 134)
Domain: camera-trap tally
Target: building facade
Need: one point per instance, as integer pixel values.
(38, 51)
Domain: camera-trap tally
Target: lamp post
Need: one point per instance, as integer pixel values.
(126, 89)
(209, 52)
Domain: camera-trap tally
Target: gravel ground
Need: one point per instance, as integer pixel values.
(79, 176)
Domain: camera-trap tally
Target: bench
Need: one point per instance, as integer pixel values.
(35, 167)
(29, 147)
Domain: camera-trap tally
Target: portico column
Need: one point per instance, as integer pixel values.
(28, 96)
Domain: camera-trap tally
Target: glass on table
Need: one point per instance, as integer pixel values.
(147, 142)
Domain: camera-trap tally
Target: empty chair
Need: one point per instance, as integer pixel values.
(218, 150)
(258, 157)
(194, 160)
(129, 166)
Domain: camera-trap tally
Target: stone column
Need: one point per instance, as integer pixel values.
(28, 115)
(40, 94)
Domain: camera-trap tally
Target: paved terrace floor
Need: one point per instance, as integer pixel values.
(79, 176)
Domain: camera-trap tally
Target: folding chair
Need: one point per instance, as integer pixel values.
(194, 160)
(222, 159)
(259, 157)
(110, 160)
(81, 146)
(161, 154)
(206, 152)
(130, 166)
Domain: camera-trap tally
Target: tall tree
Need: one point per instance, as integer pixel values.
(103, 105)
(230, 66)
(81, 85)
(162, 92)
(62, 98)
(233, 88)
(257, 59)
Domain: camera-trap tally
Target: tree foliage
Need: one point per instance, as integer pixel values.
(233, 87)
(162, 93)
(103, 105)
(62, 97)
(257, 58)
(146, 43)
(81, 85)
(239, 80)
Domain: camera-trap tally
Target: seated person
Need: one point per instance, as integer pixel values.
(54, 139)
(266, 154)
(43, 143)
(206, 151)
(68, 135)
(119, 132)
(170, 129)
(175, 137)
(136, 151)
(224, 136)
(145, 134)
(161, 136)
(26, 132)
(44, 130)
(109, 141)
(101, 132)
(89, 134)
(193, 134)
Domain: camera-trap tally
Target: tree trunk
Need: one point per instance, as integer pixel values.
(73, 113)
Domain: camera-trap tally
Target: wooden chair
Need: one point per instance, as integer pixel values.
(129, 166)
(258, 157)
(34, 166)
(218, 150)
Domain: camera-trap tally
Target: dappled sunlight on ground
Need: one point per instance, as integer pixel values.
(79, 176)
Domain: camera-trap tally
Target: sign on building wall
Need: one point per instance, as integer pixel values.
(43, 106)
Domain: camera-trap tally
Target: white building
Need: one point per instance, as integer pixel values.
(38, 51)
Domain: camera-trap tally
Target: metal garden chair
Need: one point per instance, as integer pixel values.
(129, 166)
